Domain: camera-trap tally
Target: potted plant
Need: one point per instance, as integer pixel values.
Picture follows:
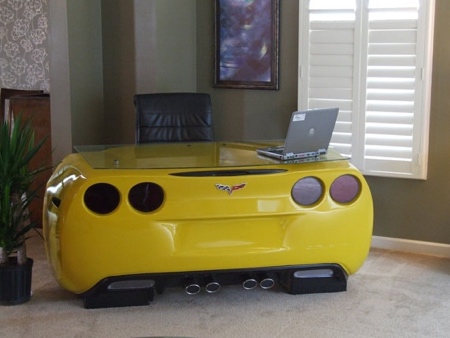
(17, 149)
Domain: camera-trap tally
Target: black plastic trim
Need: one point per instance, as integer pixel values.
(100, 295)
(231, 172)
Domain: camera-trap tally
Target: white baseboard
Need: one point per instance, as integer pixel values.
(406, 245)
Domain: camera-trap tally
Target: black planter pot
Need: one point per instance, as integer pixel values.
(15, 283)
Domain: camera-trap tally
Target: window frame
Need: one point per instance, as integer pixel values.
(417, 164)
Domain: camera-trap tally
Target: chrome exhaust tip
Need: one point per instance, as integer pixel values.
(191, 287)
(266, 283)
(212, 287)
(249, 283)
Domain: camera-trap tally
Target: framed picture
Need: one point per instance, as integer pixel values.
(247, 44)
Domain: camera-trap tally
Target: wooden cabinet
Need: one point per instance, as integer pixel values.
(7, 93)
(37, 108)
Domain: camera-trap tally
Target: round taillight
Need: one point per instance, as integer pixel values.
(307, 191)
(102, 198)
(146, 196)
(345, 189)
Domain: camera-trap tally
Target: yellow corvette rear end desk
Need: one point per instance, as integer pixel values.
(121, 222)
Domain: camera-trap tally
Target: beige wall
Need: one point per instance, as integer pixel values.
(244, 113)
(102, 52)
(86, 71)
(59, 80)
(421, 209)
(148, 46)
(119, 76)
(76, 74)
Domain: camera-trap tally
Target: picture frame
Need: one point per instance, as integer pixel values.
(247, 44)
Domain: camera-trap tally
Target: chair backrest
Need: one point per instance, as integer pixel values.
(173, 117)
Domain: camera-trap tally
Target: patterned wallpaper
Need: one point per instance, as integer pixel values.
(24, 57)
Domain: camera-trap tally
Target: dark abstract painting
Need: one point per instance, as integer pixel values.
(247, 44)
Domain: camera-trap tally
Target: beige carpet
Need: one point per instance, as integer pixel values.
(393, 295)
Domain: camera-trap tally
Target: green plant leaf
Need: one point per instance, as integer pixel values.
(17, 149)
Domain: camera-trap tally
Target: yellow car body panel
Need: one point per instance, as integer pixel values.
(223, 208)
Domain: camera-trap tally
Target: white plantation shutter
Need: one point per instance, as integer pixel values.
(372, 59)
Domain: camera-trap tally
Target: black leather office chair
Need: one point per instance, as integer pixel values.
(173, 117)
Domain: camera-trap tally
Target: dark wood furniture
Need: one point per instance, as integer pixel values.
(37, 108)
(7, 93)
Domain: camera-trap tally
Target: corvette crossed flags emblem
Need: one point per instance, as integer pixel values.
(229, 189)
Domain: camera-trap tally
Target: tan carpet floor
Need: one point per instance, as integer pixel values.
(393, 295)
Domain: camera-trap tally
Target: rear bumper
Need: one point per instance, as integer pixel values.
(205, 225)
(134, 290)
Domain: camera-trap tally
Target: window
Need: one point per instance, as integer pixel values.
(372, 59)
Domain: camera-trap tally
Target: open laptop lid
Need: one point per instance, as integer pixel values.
(309, 134)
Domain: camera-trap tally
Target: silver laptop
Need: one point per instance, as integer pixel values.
(308, 135)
